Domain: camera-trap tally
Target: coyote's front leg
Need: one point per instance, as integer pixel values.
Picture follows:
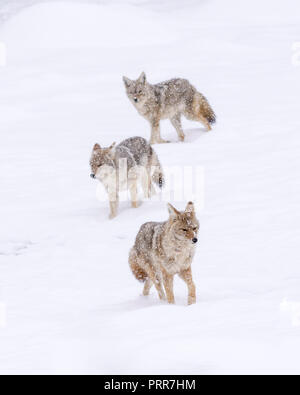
(114, 204)
(147, 287)
(155, 133)
(176, 122)
(187, 277)
(114, 207)
(168, 283)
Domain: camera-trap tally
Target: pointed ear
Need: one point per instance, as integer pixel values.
(190, 208)
(142, 78)
(127, 82)
(111, 151)
(172, 211)
(97, 147)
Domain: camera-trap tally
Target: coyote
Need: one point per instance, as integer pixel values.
(164, 249)
(170, 100)
(122, 167)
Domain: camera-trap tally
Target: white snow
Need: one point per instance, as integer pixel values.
(69, 303)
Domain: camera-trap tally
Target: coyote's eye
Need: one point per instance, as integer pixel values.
(184, 230)
(195, 229)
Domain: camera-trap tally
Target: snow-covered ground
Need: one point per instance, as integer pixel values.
(71, 303)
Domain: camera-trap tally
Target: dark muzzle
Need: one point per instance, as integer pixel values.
(93, 176)
(195, 240)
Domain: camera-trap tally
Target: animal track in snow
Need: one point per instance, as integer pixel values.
(14, 248)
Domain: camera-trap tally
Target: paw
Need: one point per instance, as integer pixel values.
(135, 204)
(164, 141)
(162, 297)
(112, 216)
(182, 138)
(191, 300)
(161, 141)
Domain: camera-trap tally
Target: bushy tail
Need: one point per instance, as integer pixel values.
(157, 171)
(137, 271)
(203, 108)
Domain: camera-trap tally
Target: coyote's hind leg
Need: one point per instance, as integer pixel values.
(133, 188)
(155, 134)
(146, 183)
(205, 122)
(187, 277)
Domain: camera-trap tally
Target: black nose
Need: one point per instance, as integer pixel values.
(135, 99)
(195, 240)
(92, 175)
